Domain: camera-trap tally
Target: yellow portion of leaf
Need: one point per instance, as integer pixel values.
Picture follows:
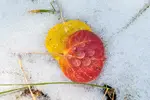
(55, 40)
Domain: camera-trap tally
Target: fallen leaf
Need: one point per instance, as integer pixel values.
(84, 56)
(57, 36)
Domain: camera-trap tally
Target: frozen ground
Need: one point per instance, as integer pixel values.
(128, 57)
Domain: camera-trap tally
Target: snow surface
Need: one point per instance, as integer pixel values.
(128, 57)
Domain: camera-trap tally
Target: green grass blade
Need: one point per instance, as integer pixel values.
(48, 83)
(12, 90)
(42, 11)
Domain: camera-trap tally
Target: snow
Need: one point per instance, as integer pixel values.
(128, 57)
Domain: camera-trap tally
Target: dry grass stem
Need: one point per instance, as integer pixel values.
(25, 77)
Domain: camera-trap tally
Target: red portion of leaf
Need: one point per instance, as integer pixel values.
(84, 57)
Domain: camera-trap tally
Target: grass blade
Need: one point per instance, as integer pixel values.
(12, 90)
(48, 83)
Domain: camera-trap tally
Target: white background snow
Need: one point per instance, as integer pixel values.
(127, 68)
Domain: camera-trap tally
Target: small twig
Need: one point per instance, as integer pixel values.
(39, 53)
(133, 19)
(23, 53)
(25, 77)
(113, 95)
(105, 94)
(140, 12)
(53, 6)
(61, 16)
(61, 13)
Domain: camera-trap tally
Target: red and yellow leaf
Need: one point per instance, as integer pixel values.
(57, 36)
(84, 56)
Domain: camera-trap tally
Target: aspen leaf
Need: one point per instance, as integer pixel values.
(57, 36)
(84, 57)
